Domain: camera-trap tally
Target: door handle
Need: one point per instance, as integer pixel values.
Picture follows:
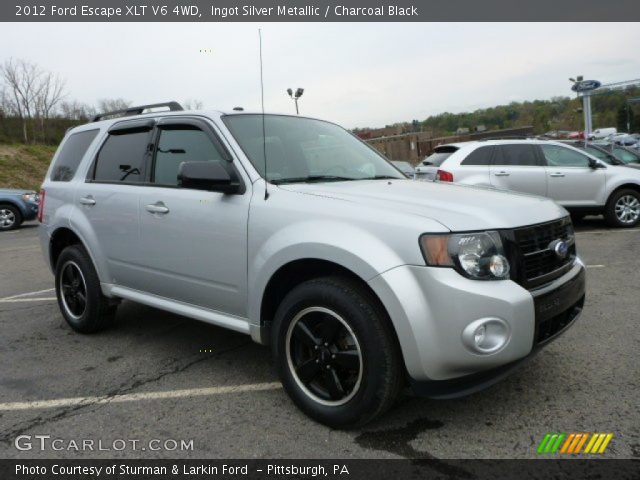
(158, 207)
(557, 174)
(88, 200)
(501, 174)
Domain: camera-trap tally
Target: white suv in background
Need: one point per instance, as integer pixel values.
(581, 183)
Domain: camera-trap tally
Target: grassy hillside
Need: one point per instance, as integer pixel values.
(24, 166)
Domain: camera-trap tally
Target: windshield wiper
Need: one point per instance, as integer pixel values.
(313, 178)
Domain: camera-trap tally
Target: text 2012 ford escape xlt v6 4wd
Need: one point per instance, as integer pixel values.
(361, 280)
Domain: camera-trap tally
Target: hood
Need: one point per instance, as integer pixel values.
(457, 207)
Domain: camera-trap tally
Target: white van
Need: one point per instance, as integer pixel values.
(602, 133)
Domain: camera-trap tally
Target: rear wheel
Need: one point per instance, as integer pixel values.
(623, 209)
(80, 298)
(336, 353)
(10, 217)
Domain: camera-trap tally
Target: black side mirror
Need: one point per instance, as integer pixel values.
(210, 176)
(595, 164)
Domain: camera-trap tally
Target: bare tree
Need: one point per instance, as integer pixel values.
(112, 104)
(192, 104)
(23, 83)
(49, 94)
(74, 110)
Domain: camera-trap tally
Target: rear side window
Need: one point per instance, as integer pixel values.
(122, 158)
(438, 157)
(179, 145)
(71, 154)
(515, 156)
(564, 157)
(480, 156)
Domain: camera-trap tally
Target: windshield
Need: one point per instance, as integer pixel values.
(306, 150)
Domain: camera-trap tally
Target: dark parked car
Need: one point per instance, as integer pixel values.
(16, 206)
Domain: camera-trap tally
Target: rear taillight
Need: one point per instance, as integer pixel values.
(444, 176)
(41, 206)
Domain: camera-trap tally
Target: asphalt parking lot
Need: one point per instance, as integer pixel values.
(160, 376)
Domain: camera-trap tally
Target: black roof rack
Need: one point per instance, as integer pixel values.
(127, 112)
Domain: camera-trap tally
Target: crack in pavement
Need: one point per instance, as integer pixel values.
(8, 436)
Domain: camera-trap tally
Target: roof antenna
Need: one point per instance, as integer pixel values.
(264, 135)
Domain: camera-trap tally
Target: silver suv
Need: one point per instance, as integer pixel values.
(307, 239)
(577, 180)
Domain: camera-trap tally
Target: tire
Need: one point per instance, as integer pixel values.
(10, 217)
(362, 352)
(76, 279)
(623, 209)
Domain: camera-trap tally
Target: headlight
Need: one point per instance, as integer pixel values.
(30, 197)
(477, 255)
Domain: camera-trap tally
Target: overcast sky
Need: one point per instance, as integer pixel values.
(366, 74)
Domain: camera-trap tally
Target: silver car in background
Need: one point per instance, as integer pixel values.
(575, 179)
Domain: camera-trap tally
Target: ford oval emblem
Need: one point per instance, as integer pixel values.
(560, 248)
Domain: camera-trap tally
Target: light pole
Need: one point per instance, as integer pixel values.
(295, 96)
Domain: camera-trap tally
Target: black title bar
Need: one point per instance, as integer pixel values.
(319, 11)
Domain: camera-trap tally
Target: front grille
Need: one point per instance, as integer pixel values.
(536, 263)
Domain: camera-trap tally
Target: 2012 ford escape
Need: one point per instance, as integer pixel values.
(295, 232)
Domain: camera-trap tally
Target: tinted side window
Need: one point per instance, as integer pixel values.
(122, 158)
(179, 145)
(563, 157)
(515, 155)
(436, 159)
(480, 156)
(71, 154)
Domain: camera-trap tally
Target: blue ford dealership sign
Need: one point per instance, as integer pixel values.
(586, 85)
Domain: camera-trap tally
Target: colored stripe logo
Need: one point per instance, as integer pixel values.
(574, 443)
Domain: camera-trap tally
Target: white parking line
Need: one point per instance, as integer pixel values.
(37, 299)
(134, 397)
(595, 266)
(20, 297)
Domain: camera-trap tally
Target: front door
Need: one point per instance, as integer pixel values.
(572, 182)
(193, 242)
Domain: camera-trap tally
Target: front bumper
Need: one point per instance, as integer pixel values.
(430, 307)
(29, 210)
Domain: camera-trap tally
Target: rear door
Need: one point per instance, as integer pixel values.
(108, 200)
(518, 167)
(193, 242)
(475, 167)
(572, 182)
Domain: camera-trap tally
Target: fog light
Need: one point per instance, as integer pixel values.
(486, 335)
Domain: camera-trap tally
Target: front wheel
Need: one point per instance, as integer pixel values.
(623, 209)
(335, 352)
(10, 217)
